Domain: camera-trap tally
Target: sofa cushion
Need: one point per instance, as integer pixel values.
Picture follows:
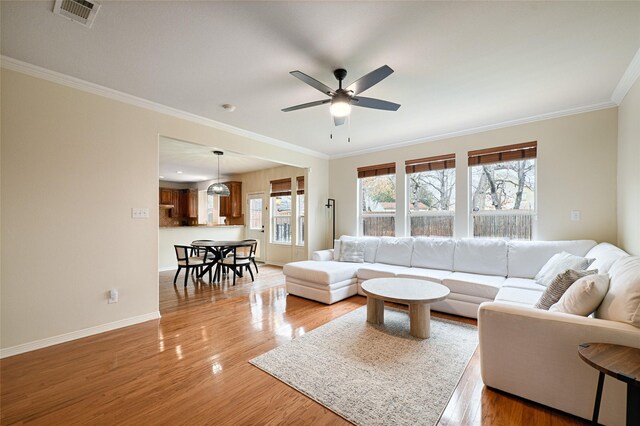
(526, 258)
(352, 251)
(523, 283)
(522, 296)
(622, 302)
(481, 256)
(327, 272)
(486, 286)
(395, 251)
(433, 253)
(584, 296)
(370, 246)
(379, 270)
(558, 286)
(435, 275)
(559, 263)
(605, 255)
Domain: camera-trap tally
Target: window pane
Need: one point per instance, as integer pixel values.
(255, 213)
(378, 205)
(432, 197)
(281, 219)
(503, 199)
(300, 209)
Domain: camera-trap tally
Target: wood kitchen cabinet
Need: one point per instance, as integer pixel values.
(231, 206)
(166, 196)
(176, 200)
(192, 204)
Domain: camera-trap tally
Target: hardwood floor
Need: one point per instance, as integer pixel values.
(191, 367)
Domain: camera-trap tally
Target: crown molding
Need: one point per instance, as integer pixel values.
(481, 129)
(76, 83)
(628, 79)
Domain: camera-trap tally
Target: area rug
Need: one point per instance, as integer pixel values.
(376, 375)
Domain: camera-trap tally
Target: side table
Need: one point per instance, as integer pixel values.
(620, 362)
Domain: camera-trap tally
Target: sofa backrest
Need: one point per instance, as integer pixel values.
(433, 253)
(395, 251)
(605, 255)
(526, 258)
(481, 256)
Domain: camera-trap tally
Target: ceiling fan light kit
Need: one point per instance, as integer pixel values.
(218, 188)
(342, 99)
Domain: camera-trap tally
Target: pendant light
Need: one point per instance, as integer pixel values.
(218, 188)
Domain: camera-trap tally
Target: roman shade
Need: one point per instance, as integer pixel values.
(439, 162)
(520, 151)
(378, 170)
(300, 184)
(281, 187)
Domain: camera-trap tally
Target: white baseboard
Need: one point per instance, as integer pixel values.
(167, 268)
(274, 263)
(74, 335)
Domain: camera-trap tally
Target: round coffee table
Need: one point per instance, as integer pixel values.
(418, 294)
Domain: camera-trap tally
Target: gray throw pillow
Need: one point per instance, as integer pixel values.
(558, 286)
(352, 251)
(559, 263)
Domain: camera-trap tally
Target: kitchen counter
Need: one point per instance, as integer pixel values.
(184, 235)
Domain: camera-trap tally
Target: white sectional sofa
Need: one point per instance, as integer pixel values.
(528, 352)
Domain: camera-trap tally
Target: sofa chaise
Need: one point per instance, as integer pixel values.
(528, 352)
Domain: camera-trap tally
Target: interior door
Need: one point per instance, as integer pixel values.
(257, 212)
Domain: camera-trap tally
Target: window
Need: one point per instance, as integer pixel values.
(281, 211)
(377, 197)
(208, 210)
(255, 213)
(503, 191)
(300, 210)
(431, 186)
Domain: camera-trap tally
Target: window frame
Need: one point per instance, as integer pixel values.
(375, 171)
(280, 188)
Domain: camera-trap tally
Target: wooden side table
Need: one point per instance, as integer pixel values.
(620, 362)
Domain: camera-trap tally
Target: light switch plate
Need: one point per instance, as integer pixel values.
(139, 213)
(575, 215)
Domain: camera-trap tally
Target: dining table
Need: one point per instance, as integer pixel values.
(218, 249)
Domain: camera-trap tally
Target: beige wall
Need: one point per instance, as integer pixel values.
(73, 166)
(629, 171)
(260, 181)
(576, 171)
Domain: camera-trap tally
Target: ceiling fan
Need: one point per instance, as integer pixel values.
(342, 99)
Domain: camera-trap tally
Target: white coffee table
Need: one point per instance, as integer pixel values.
(418, 294)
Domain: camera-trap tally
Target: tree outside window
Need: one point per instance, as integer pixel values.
(378, 205)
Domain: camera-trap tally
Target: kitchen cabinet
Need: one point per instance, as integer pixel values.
(166, 195)
(231, 206)
(192, 204)
(176, 200)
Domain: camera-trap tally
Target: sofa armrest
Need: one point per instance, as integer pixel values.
(534, 354)
(322, 255)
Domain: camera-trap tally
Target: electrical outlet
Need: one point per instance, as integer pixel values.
(113, 296)
(139, 213)
(575, 215)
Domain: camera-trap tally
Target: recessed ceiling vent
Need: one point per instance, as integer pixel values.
(81, 11)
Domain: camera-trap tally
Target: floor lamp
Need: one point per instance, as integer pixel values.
(331, 204)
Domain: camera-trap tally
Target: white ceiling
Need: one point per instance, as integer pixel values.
(458, 65)
(198, 163)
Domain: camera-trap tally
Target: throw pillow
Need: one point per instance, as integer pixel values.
(352, 251)
(583, 296)
(558, 286)
(622, 302)
(558, 263)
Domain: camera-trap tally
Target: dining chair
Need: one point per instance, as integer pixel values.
(253, 255)
(187, 261)
(239, 259)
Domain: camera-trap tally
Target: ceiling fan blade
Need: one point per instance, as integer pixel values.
(313, 83)
(307, 105)
(371, 79)
(339, 121)
(374, 103)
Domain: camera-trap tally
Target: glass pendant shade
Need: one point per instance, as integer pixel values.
(218, 188)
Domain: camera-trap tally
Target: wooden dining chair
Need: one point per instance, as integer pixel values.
(239, 259)
(253, 256)
(186, 260)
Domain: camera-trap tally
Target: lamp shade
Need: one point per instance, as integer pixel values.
(218, 189)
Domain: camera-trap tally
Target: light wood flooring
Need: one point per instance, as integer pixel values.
(191, 367)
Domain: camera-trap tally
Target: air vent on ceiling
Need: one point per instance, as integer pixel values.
(81, 11)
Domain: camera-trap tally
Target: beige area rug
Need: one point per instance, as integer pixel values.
(376, 375)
